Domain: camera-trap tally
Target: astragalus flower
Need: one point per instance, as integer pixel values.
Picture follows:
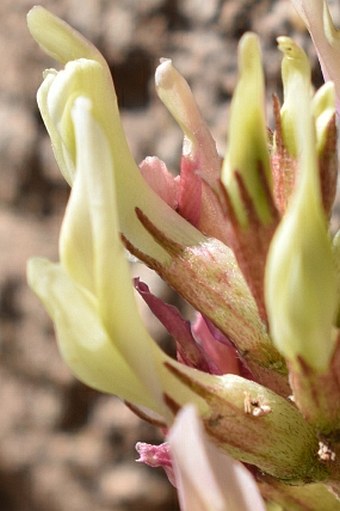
(247, 246)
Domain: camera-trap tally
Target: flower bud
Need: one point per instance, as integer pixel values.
(296, 76)
(91, 78)
(199, 182)
(198, 145)
(247, 152)
(89, 295)
(301, 290)
(323, 106)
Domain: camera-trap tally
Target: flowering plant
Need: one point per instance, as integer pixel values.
(251, 407)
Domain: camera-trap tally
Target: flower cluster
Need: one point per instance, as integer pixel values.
(245, 241)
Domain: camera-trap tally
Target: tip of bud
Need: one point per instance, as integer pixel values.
(288, 47)
(164, 75)
(58, 39)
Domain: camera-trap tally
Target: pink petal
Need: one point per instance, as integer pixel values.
(222, 357)
(160, 180)
(212, 220)
(188, 350)
(190, 192)
(156, 456)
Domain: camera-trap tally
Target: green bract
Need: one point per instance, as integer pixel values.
(301, 286)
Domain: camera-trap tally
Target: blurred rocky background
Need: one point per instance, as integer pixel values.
(64, 447)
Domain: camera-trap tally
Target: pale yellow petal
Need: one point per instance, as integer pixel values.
(84, 344)
(58, 39)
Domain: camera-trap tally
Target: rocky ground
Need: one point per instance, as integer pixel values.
(64, 447)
